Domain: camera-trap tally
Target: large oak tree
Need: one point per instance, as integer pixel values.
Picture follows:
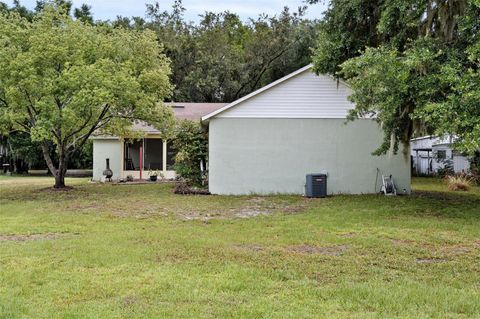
(413, 64)
(62, 80)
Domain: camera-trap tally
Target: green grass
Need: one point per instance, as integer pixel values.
(104, 251)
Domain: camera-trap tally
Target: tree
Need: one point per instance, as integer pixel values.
(62, 80)
(84, 14)
(223, 58)
(412, 64)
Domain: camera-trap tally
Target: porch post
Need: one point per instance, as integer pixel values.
(140, 156)
(164, 156)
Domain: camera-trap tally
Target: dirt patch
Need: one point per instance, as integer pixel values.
(198, 216)
(431, 260)
(294, 209)
(256, 200)
(249, 208)
(455, 250)
(249, 213)
(138, 213)
(261, 206)
(443, 250)
(233, 213)
(129, 301)
(32, 237)
(323, 250)
(250, 247)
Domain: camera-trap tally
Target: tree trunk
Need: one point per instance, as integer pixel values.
(58, 173)
(59, 180)
(61, 171)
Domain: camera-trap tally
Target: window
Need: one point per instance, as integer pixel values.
(441, 154)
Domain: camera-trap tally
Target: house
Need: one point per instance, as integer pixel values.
(268, 141)
(431, 154)
(135, 157)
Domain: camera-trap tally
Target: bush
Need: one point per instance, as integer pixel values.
(191, 143)
(459, 182)
(447, 169)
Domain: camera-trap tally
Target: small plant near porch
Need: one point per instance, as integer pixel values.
(61, 80)
(154, 175)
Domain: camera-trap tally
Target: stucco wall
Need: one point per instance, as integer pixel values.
(103, 149)
(265, 156)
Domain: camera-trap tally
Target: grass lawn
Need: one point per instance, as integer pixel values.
(105, 251)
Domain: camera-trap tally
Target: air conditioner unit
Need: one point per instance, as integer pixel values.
(316, 185)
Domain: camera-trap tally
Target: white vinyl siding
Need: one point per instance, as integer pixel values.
(306, 95)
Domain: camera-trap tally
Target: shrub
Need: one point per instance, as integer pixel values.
(459, 182)
(191, 143)
(447, 169)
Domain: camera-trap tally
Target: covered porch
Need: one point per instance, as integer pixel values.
(140, 156)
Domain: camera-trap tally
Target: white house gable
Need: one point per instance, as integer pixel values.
(305, 95)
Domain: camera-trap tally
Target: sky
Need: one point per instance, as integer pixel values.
(110, 9)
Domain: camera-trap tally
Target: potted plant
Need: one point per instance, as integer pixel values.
(153, 175)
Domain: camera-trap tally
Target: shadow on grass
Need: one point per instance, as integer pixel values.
(446, 196)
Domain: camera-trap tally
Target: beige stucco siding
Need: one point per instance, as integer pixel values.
(103, 149)
(266, 156)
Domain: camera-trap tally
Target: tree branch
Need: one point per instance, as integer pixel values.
(94, 127)
(264, 68)
(4, 102)
(84, 125)
(48, 159)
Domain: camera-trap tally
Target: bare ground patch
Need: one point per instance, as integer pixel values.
(431, 260)
(336, 250)
(250, 247)
(347, 235)
(251, 207)
(31, 237)
(249, 213)
(129, 301)
(403, 242)
(445, 249)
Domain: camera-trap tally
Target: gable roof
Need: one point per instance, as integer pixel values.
(254, 93)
